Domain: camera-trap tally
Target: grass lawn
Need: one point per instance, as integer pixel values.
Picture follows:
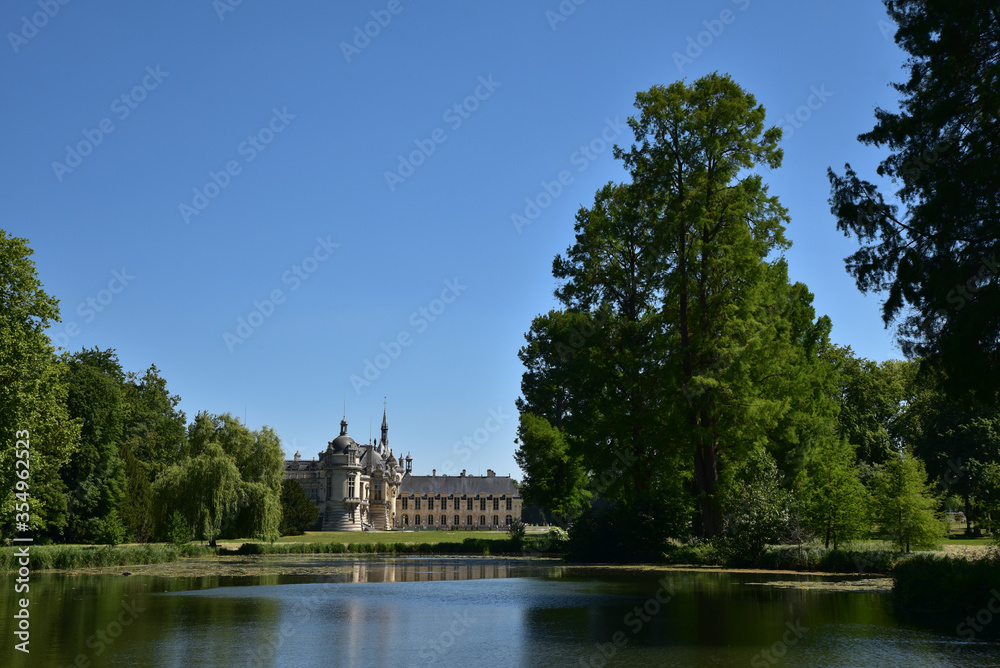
(956, 536)
(959, 539)
(353, 537)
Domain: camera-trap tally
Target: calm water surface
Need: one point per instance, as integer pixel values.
(472, 612)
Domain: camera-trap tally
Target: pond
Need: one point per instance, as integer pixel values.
(472, 612)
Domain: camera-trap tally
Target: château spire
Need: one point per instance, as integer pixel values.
(343, 420)
(385, 427)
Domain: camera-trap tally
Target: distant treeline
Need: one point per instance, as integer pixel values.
(110, 457)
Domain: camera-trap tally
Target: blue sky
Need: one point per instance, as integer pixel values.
(283, 212)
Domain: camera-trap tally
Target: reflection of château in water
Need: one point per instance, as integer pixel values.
(365, 486)
(425, 570)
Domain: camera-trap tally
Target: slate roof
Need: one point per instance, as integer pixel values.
(453, 484)
(301, 465)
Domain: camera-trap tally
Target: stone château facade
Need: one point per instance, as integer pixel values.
(353, 485)
(462, 501)
(360, 487)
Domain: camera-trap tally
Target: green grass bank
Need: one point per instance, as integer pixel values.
(478, 543)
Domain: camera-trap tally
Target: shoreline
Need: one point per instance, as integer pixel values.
(329, 564)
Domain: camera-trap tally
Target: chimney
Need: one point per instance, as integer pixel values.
(463, 473)
(490, 473)
(434, 472)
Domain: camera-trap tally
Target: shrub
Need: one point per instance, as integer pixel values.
(252, 548)
(558, 534)
(756, 509)
(696, 552)
(790, 557)
(178, 530)
(945, 584)
(516, 530)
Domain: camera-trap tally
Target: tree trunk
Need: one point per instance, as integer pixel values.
(706, 474)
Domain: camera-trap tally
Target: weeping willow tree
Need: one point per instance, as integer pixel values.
(230, 484)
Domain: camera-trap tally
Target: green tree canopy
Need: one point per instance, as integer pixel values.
(959, 441)
(680, 343)
(95, 475)
(875, 400)
(555, 478)
(204, 490)
(834, 504)
(933, 248)
(756, 507)
(32, 393)
(154, 436)
(231, 483)
(904, 509)
(298, 513)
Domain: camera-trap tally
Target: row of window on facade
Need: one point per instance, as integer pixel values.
(457, 503)
(457, 521)
(351, 490)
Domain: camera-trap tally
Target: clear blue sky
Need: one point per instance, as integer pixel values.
(299, 119)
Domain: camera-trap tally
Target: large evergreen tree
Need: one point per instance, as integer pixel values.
(933, 248)
(681, 344)
(733, 328)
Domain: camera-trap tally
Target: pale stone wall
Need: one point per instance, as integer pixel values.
(475, 511)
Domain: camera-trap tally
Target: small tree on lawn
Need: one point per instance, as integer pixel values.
(833, 500)
(904, 508)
